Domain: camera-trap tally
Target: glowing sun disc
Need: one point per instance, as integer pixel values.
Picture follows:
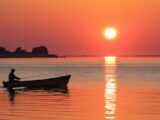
(110, 33)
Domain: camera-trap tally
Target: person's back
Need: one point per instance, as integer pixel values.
(12, 77)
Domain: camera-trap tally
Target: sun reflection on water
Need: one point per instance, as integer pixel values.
(110, 87)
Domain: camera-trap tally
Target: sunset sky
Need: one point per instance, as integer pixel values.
(75, 27)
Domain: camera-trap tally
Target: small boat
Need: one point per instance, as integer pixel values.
(59, 82)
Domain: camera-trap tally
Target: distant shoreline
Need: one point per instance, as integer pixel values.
(113, 55)
(68, 56)
(29, 56)
(140, 56)
(37, 52)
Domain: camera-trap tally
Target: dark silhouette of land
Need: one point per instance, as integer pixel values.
(41, 51)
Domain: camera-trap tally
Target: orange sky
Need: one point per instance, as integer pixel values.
(75, 27)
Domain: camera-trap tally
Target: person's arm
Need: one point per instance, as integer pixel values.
(17, 77)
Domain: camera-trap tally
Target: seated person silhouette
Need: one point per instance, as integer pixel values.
(12, 77)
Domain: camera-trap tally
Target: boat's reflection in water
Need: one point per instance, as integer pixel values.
(110, 88)
(12, 92)
(11, 95)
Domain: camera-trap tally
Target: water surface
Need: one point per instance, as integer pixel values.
(99, 89)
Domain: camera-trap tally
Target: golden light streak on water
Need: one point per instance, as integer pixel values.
(110, 88)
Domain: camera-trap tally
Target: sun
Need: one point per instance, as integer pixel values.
(110, 33)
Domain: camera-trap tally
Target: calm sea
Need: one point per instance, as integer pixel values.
(101, 88)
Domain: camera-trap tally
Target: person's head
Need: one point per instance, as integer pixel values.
(12, 70)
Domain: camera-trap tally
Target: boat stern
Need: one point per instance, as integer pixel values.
(4, 84)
